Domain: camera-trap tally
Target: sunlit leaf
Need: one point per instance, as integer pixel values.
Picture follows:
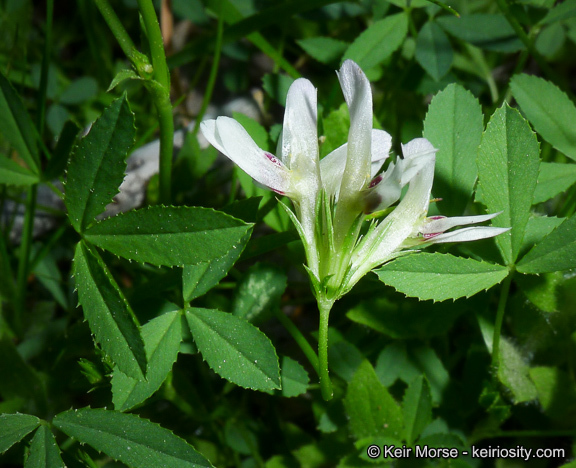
(508, 162)
(235, 349)
(554, 179)
(548, 109)
(440, 276)
(454, 126)
(555, 252)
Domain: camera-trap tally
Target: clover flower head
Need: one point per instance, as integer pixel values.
(336, 198)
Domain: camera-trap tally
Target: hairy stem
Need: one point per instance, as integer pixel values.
(161, 100)
(324, 306)
(117, 29)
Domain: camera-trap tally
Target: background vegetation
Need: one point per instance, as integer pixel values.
(409, 367)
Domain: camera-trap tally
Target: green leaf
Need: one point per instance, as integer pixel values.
(14, 428)
(121, 76)
(417, 408)
(537, 229)
(235, 349)
(454, 126)
(440, 276)
(550, 40)
(129, 439)
(44, 452)
(108, 313)
(344, 359)
(555, 252)
(508, 162)
(548, 109)
(487, 31)
(97, 167)
(556, 392)
(398, 362)
(371, 409)
(554, 179)
(12, 173)
(260, 288)
(541, 290)
(402, 318)
(294, 378)
(169, 235)
(560, 12)
(162, 336)
(79, 91)
(433, 50)
(16, 125)
(378, 41)
(513, 372)
(326, 50)
(198, 279)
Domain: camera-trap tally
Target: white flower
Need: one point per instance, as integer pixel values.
(332, 196)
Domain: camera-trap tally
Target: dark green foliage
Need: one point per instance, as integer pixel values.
(192, 342)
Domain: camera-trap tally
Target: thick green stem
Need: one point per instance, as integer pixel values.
(504, 292)
(161, 100)
(324, 306)
(301, 341)
(117, 29)
(159, 87)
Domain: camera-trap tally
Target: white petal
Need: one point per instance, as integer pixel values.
(300, 154)
(230, 138)
(386, 191)
(443, 224)
(332, 168)
(383, 243)
(299, 133)
(417, 153)
(467, 234)
(358, 95)
(208, 129)
(381, 144)
(333, 165)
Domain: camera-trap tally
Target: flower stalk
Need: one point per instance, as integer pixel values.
(334, 198)
(324, 307)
